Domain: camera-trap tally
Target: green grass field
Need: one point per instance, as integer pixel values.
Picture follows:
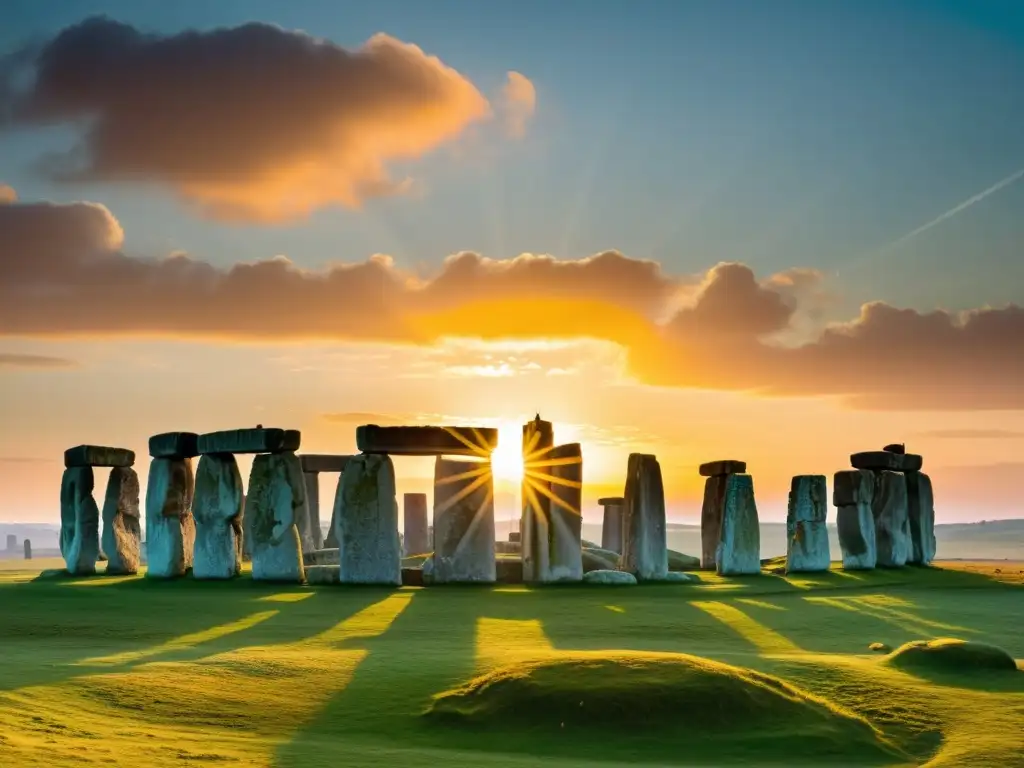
(759, 671)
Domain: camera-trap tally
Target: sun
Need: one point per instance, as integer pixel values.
(507, 459)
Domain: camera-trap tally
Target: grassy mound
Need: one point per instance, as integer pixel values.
(676, 701)
(951, 656)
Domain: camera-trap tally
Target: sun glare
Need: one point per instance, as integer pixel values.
(507, 460)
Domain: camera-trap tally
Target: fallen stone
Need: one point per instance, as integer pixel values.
(722, 467)
(98, 456)
(274, 504)
(170, 527)
(678, 577)
(122, 532)
(589, 544)
(538, 440)
(258, 440)
(677, 561)
(596, 559)
(644, 550)
(565, 559)
(856, 525)
(886, 460)
(921, 514)
(427, 441)
(463, 522)
(711, 520)
(879, 647)
(415, 524)
(852, 486)
(79, 521)
(366, 520)
(310, 535)
(174, 445)
(611, 525)
(321, 557)
(323, 462)
(617, 578)
(892, 524)
(807, 546)
(323, 574)
(739, 550)
(218, 508)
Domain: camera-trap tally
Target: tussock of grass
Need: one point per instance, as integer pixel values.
(676, 700)
(950, 656)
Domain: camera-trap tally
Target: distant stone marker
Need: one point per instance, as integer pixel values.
(258, 440)
(12, 542)
(852, 493)
(644, 544)
(807, 548)
(427, 441)
(739, 548)
(122, 533)
(98, 456)
(366, 519)
(28, 549)
(463, 522)
(611, 524)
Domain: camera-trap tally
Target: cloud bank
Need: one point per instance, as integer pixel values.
(63, 272)
(252, 123)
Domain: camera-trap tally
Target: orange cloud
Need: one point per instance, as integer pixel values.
(248, 123)
(62, 272)
(518, 102)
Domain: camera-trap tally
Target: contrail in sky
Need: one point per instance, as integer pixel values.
(947, 215)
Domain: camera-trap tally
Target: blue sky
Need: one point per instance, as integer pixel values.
(779, 134)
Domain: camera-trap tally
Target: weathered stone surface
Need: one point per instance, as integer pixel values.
(711, 520)
(322, 557)
(122, 532)
(681, 578)
(309, 521)
(508, 548)
(366, 522)
(538, 440)
(611, 526)
(900, 448)
(324, 462)
(852, 486)
(807, 549)
(218, 510)
(463, 522)
(170, 527)
(508, 570)
(565, 559)
(427, 441)
(892, 523)
(256, 440)
(98, 456)
(886, 460)
(597, 559)
(275, 502)
(331, 539)
(921, 514)
(415, 524)
(644, 549)
(856, 525)
(618, 578)
(79, 521)
(739, 549)
(323, 574)
(722, 467)
(174, 445)
(678, 561)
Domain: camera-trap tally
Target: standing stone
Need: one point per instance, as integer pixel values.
(644, 546)
(245, 540)
(892, 525)
(312, 514)
(565, 552)
(122, 533)
(28, 549)
(921, 515)
(218, 510)
(463, 522)
(807, 535)
(275, 502)
(852, 493)
(611, 525)
(12, 542)
(711, 519)
(538, 440)
(79, 521)
(416, 541)
(170, 527)
(739, 550)
(366, 517)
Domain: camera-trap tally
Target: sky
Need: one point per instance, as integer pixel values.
(775, 232)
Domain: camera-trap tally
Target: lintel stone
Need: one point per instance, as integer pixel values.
(427, 441)
(323, 462)
(723, 467)
(98, 456)
(887, 460)
(611, 501)
(257, 440)
(174, 445)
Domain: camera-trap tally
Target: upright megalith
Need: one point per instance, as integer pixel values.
(644, 544)
(218, 511)
(312, 465)
(310, 535)
(892, 525)
(565, 552)
(807, 547)
(275, 501)
(427, 440)
(534, 525)
(463, 522)
(739, 548)
(611, 524)
(713, 508)
(28, 549)
(416, 541)
(170, 527)
(122, 532)
(79, 522)
(852, 494)
(921, 514)
(12, 542)
(366, 519)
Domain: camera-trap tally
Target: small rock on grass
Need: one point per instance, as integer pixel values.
(879, 648)
(609, 577)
